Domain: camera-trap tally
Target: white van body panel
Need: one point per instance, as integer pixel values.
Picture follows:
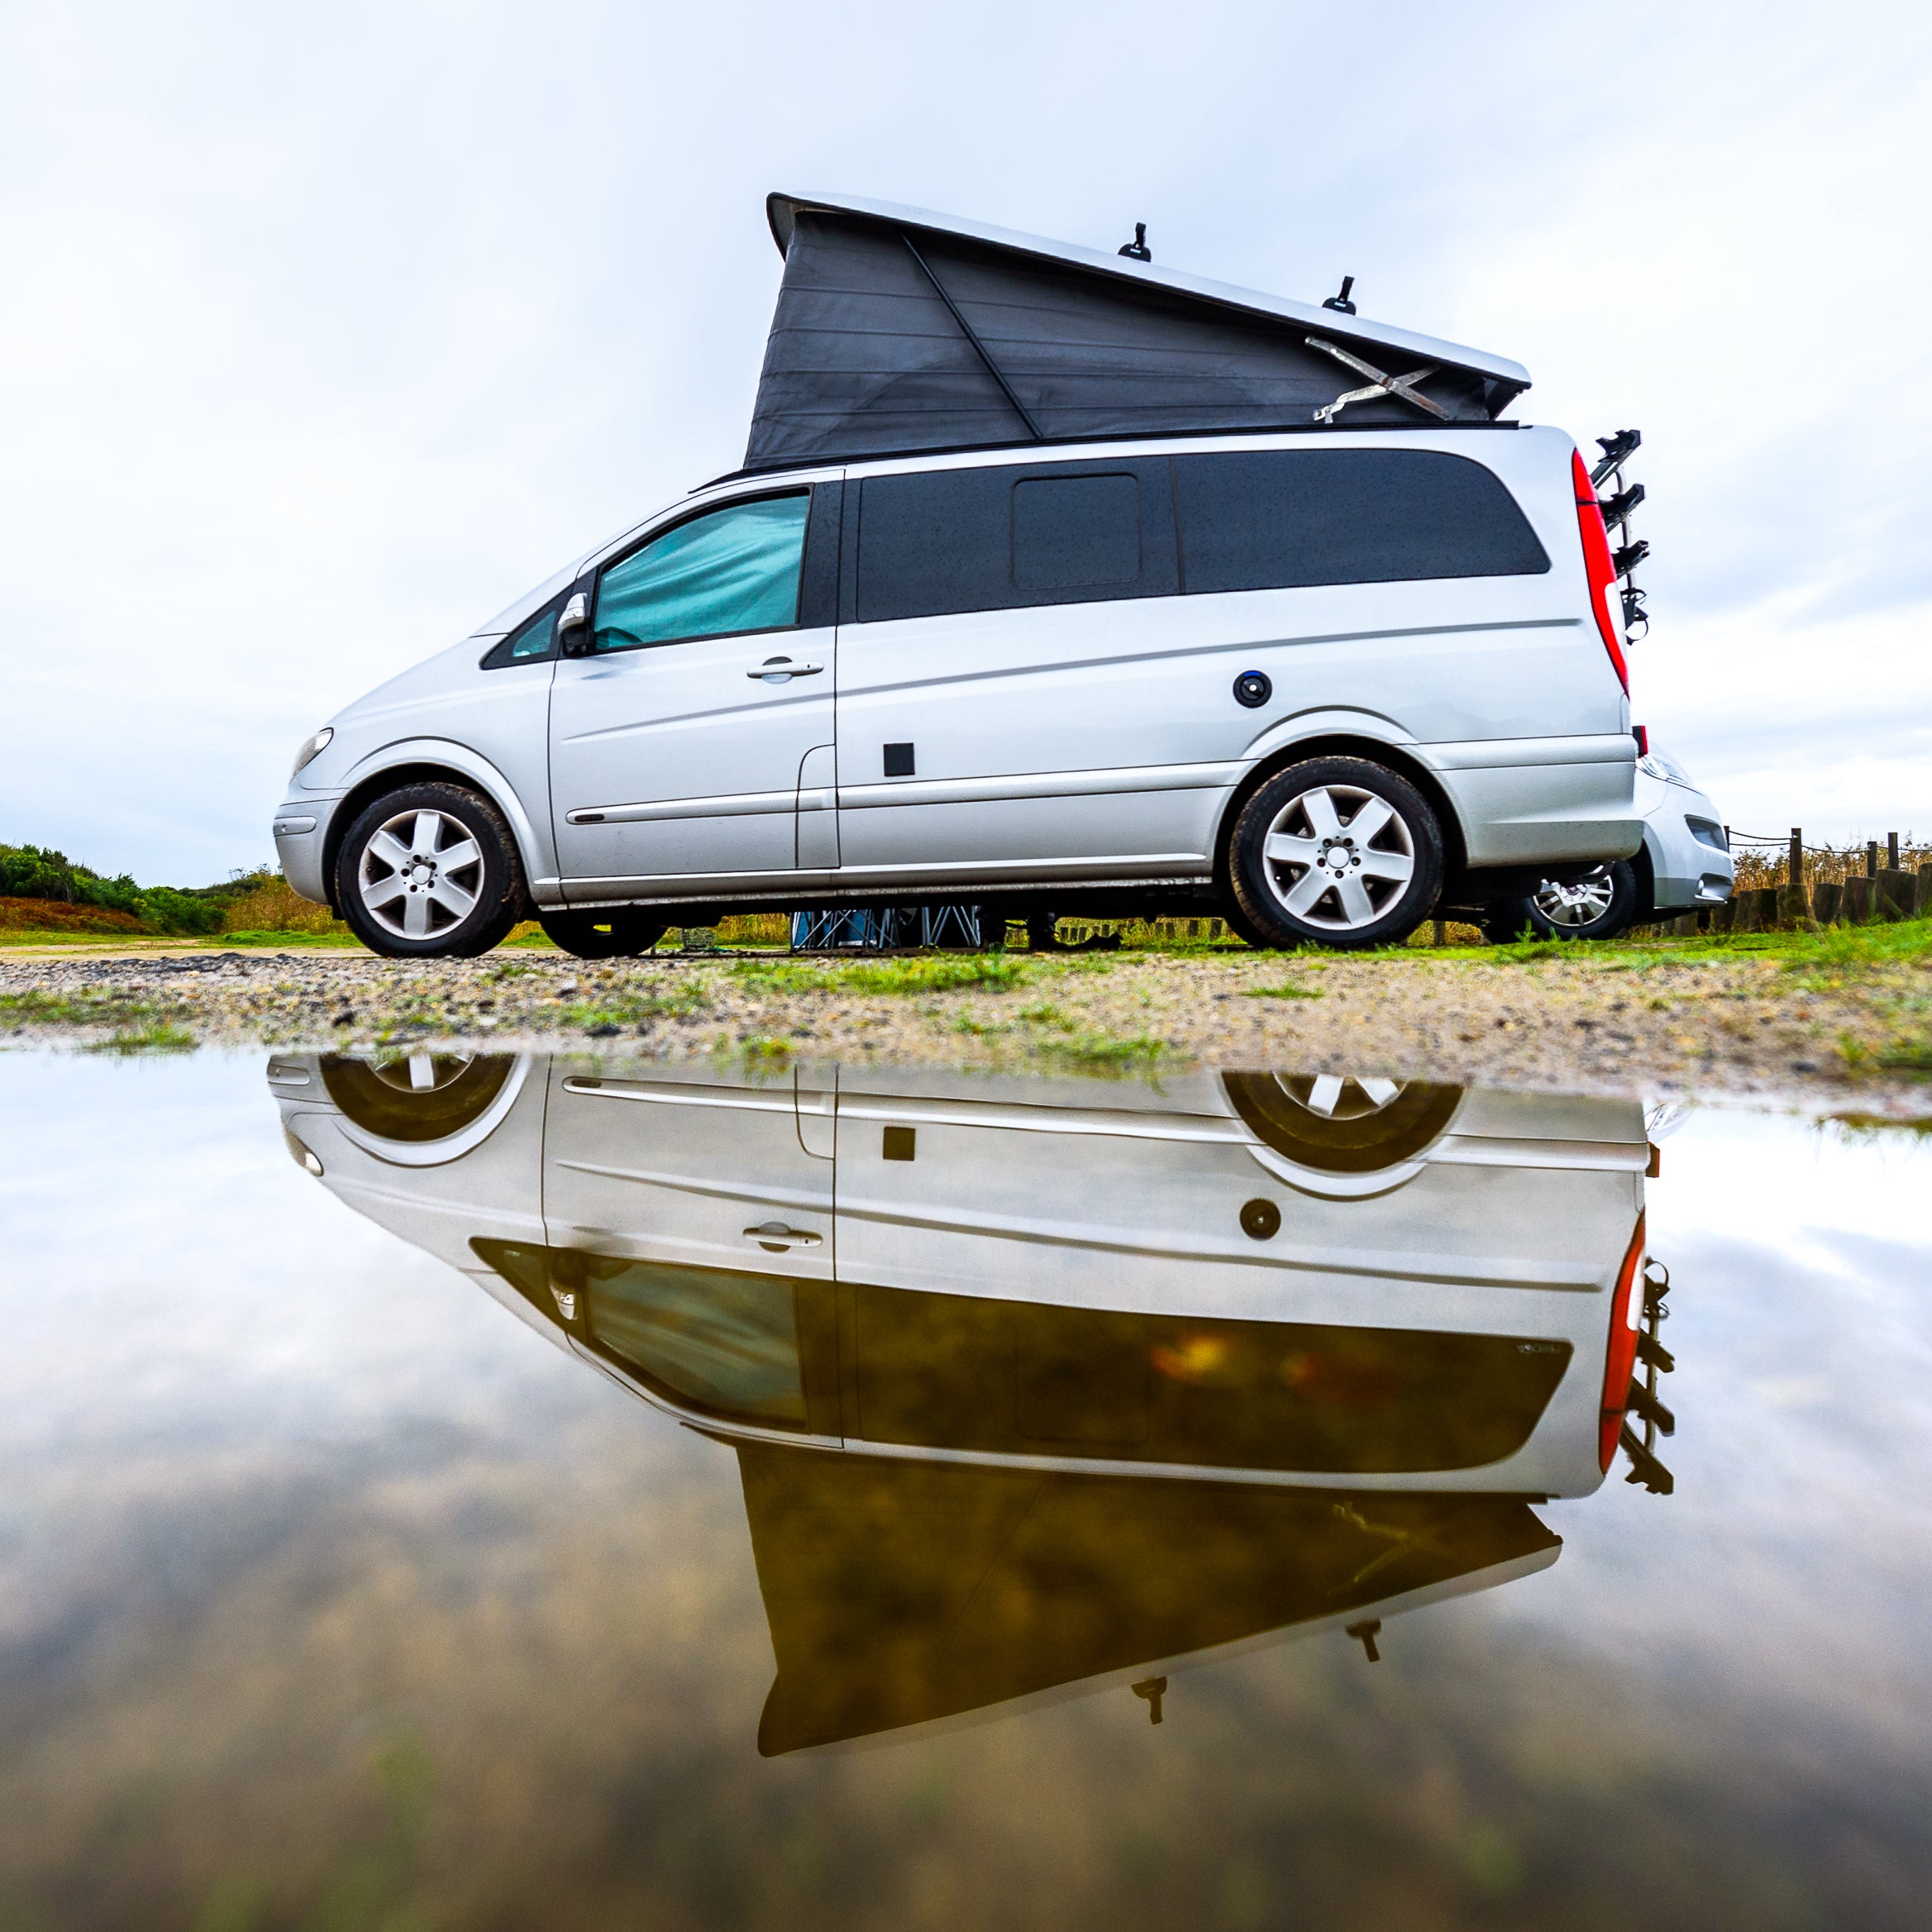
(1074, 743)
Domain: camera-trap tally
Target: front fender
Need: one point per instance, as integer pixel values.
(535, 845)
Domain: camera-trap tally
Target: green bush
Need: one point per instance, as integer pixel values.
(33, 871)
(169, 911)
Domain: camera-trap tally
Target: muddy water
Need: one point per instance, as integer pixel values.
(610, 1494)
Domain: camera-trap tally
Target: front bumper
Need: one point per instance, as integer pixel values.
(1684, 871)
(302, 831)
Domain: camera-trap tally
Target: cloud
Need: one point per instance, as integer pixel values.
(322, 337)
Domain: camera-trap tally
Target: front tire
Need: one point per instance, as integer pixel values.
(430, 872)
(605, 935)
(1599, 906)
(1335, 851)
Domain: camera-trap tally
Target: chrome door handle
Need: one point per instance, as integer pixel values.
(774, 1236)
(774, 671)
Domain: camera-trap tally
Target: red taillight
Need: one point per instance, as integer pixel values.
(1641, 734)
(1597, 565)
(1620, 1362)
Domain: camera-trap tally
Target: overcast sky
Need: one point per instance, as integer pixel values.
(326, 332)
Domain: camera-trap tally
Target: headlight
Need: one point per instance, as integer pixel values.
(312, 748)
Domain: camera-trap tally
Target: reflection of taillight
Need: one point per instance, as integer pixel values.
(1620, 1362)
(1600, 567)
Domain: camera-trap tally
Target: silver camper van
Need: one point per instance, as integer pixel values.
(1051, 577)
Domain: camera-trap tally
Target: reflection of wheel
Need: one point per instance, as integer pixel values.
(426, 1097)
(430, 872)
(1335, 851)
(607, 935)
(1598, 906)
(1337, 1123)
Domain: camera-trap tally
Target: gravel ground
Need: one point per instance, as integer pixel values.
(1602, 1020)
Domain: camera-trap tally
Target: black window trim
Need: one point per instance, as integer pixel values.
(595, 578)
(498, 656)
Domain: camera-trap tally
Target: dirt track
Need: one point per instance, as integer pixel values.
(1602, 1021)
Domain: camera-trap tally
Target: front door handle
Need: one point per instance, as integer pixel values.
(774, 671)
(774, 1237)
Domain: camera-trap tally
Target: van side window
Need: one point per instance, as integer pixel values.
(943, 541)
(1275, 519)
(1069, 532)
(734, 569)
(529, 643)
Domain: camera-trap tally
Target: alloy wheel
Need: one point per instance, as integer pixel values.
(1569, 909)
(421, 873)
(1337, 856)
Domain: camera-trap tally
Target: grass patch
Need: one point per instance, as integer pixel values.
(622, 1010)
(34, 1008)
(1281, 993)
(1105, 1052)
(1045, 1015)
(158, 1035)
(946, 973)
(754, 1050)
(335, 938)
(1906, 1055)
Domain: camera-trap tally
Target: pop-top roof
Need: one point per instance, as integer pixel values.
(897, 329)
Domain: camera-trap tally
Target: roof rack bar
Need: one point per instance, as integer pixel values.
(967, 330)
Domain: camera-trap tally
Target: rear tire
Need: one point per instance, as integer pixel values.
(603, 935)
(430, 872)
(1335, 851)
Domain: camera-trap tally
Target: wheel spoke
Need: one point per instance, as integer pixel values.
(1356, 908)
(389, 849)
(1325, 1095)
(455, 900)
(415, 917)
(384, 892)
(1320, 808)
(465, 852)
(1284, 848)
(1387, 864)
(429, 828)
(1374, 815)
(1307, 889)
(1380, 1091)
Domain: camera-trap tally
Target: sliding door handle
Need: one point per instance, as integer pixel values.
(774, 1236)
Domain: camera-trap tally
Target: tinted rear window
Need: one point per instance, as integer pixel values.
(1274, 519)
(949, 540)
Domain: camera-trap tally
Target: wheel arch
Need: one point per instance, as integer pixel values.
(426, 765)
(1346, 744)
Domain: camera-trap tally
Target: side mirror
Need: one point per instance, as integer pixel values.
(574, 627)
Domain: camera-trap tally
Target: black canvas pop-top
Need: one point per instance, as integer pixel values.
(900, 330)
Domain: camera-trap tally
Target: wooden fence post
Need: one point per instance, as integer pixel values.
(1794, 903)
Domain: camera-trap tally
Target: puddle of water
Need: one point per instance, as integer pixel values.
(607, 1492)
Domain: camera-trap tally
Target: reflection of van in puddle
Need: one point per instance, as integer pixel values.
(1353, 1326)
(1382, 1284)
